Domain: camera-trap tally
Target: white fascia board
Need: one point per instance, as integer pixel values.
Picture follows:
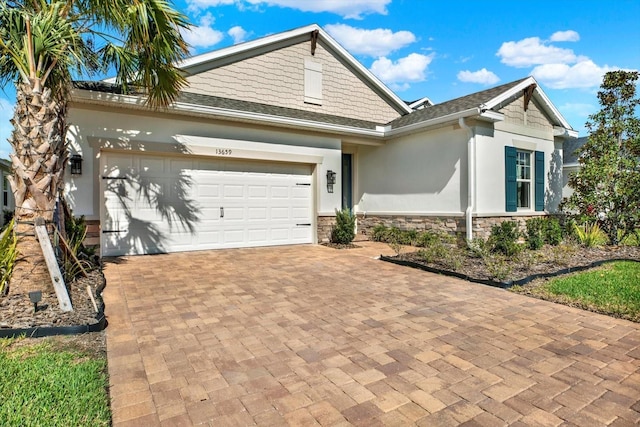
(243, 47)
(199, 110)
(364, 71)
(419, 102)
(492, 116)
(564, 132)
(436, 121)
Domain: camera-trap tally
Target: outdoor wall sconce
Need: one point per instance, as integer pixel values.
(76, 164)
(35, 297)
(331, 179)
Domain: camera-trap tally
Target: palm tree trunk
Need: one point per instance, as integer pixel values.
(38, 163)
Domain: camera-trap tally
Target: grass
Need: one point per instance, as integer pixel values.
(43, 384)
(612, 289)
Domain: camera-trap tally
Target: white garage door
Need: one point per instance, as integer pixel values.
(158, 204)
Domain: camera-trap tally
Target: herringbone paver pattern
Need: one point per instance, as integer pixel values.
(308, 335)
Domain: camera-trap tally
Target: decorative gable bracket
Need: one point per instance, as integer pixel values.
(528, 93)
(314, 41)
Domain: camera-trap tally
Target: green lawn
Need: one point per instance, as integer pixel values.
(42, 384)
(611, 289)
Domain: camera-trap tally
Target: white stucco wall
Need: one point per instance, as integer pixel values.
(490, 167)
(92, 130)
(419, 174)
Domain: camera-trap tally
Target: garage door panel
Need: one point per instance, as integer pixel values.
(167, 204)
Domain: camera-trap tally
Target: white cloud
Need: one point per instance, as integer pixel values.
(350, 9)
(6, 112)
(565, 36)
(399, 73)
(583, 74)
(377, 42)
(533, 51)
(238, 34)
(203, 35)
(483, 76)
(577, 108)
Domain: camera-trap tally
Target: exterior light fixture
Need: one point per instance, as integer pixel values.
(331, 179)
(76, 164)
(35, 297)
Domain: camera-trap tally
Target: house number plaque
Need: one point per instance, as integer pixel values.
(224, 151)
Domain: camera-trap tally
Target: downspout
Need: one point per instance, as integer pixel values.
(471, 176)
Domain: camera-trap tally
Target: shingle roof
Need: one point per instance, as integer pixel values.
(569, 148)
(245, 106)
(454, 106)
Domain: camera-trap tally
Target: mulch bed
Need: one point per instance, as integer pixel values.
(547, 261)
(340, 245)
(17, 311)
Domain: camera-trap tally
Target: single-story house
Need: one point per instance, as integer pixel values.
(6, 196)
(273, 135)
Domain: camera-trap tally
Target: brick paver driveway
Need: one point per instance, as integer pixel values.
(308, 335)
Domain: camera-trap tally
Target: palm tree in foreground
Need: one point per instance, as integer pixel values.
(44, 44)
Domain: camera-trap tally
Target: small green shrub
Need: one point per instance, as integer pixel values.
(445, 254)
(535, 233)
(498, 266)
(561, 255)
(345, 229)
(478, 248)
(379, 233)
(8, 255)
(504, 238)
(553, 232)
(590, 235)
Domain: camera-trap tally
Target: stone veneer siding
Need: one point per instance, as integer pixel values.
(325, 225)
(448, 224)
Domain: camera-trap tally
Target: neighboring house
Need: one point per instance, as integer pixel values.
(6, 196)
(570, 163)
(273, 135)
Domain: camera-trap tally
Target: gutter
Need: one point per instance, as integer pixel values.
(471, 170)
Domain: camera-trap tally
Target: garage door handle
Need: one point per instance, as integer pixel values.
(305, 225)
(221, 212)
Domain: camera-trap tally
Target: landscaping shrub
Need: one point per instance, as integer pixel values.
(504, 238)
(553, 232)
(428, 238)
(379, 233)
(498, 266)
(590, 235)
(535, 233)
(345, 229)
(76, 231)
(478, 248)
(449, 256)
(8, 254)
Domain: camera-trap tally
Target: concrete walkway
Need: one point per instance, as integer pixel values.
(307, 335)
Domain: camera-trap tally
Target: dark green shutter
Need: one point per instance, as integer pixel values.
(510, 189)
(539, 176)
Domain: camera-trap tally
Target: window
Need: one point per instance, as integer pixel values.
(524, 179)
(5, 191)
(312, 82)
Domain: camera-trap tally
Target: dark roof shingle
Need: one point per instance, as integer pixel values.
(240, 105)
(453, 106)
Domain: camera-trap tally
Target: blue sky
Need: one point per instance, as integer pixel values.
(441, 49)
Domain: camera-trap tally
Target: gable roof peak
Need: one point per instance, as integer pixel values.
(297, 35)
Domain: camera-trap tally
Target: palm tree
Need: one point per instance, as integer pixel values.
(44, 45)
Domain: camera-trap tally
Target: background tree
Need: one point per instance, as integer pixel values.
(607, 185)
(44, 44)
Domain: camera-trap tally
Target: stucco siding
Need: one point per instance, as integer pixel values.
(93, 130)
(423, 173)
(490, 167)
(277, 78)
